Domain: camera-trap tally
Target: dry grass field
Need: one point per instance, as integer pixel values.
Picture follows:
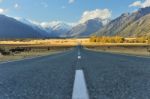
(10, 52)
(24, 55)
(20, 49)
(137, 49)
(46, 42)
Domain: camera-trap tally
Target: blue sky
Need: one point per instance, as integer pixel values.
(65, 10)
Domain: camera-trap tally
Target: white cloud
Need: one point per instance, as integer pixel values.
(2, 11)
(71, 1)
(16, 5)
(103, 14)
(141, 4)
(136, 4)
(1, 1)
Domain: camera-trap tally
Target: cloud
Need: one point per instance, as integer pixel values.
(16, 5)
(103, 14)
(141, 4)
(1, 1)
(71, 1)
(136, 4)
(2, 11)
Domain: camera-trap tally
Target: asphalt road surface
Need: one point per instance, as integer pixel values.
(108, 76)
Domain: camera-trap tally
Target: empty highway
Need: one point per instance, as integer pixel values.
(108, 76)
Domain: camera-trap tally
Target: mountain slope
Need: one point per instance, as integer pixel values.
(140, 27)
(86, 29)
(36, 27)
(11, 29)
(116, 26)
(59, 29)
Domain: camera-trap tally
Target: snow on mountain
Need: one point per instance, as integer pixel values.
(12, 29)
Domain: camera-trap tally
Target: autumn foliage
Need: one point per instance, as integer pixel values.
(118, 39)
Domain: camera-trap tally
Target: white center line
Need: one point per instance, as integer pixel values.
(79, 54)
(80, 89)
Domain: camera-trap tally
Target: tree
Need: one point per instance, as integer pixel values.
(148, 40)
(93, 39)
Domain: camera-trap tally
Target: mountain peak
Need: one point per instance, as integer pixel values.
(125, 14)
(17, 29)
(144, 11)
(87, 28)
(96, 20)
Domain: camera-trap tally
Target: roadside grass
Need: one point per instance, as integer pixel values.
(12, 53)
(15, 50)
(24, 55)
(139, 50)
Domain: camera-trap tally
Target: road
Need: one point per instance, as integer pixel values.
(108, 76)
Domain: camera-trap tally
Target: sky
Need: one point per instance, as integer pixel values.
(69, 10)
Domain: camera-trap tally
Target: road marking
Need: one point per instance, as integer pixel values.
(79, 57)
(80, 89)
(79, 54)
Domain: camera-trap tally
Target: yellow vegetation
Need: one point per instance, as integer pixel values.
(118, 39)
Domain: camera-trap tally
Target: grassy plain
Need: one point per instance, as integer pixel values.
(20, 49)
(127, 49)
(25, 48)
(24, 55)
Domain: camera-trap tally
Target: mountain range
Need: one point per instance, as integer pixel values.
(127, 25)
(85, 29)
(11, 28)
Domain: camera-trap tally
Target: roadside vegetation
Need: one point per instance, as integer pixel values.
(133, 46)
(24, 48)
(118, 39)
(15, 52)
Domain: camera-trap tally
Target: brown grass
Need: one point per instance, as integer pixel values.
(40, 47)
(139, 50)
(24, 55)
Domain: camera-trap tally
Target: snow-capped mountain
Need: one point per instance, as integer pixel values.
(87, 28)
(57, 28)
(11, 28)
(63, 29)
(54, 28)
(128, 24)
(34, 25)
